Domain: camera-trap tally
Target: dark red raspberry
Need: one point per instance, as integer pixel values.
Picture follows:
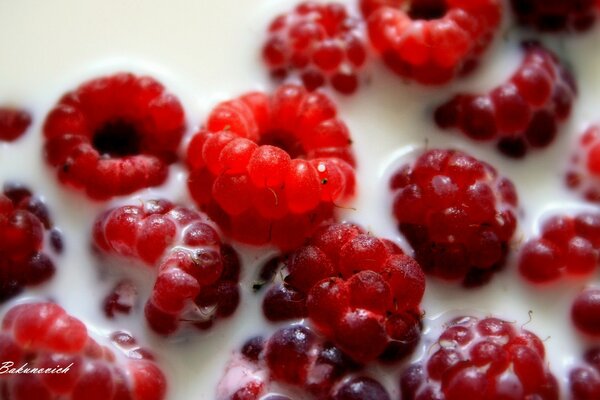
(43, 335)
(568, 245)
(523, 112)
(197, 275)
(296, 362)
(558, 15)
(362, 292)
(323, 42)
(13, 123)
(481, 359)
(585, 311)
(457, 213)
(584, 170)
(25, 226)
(584, 379)
(114, 135)
(431, 41)
(271, 169)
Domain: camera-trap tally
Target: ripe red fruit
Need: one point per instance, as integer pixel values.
(324, 43)
(457, 214)
(431, 42)
(584, 169)
(575, 16)
(196, 274)
(585, 311)
(523, 112)
(114, 135)
(584, 379)
(271, 169)
(13, 123)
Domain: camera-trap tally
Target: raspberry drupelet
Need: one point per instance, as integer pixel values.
(556, 16)
(583, 173)
(585, 312)
(363, 293)
(457, 213)
(43, 335)
(568, 245)
(114, 135)
(196, 274)
(271, 169)
(481, 359)
(27, 237)
(584, 379)
(295, 360)
(13, 123)
(431, 41)
(524, 112)
(322, 42)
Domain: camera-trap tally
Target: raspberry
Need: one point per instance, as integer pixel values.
(13, 123)
(556, 16)
(24, 226)
(196, 274)
(481, 358)
(523, 112)
(43, 335)
(568, 245)
(114, 135)
(361, 292)
(457, 214)
(323, 42)
(431, 42)
(272, 169)
(584, 170)
(584, 379)
(585, 311)
(297, 362)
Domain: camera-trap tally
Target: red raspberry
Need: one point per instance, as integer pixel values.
(431, 41)
(323, 42)
(296, 361)
(114, 135)
(43, 335)
(584, 379)
(481, 359)
(272, 169)
(361, 292)
(555, 16)
(457, 213)
(585, 312)
(584, 171)
(521, 113)
(13, 123)
(568, 245)
(24, 227)
(197, 275)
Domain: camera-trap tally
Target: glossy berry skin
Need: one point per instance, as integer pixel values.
(13, 123)
(271, 168)
(322, 42)
(457, 213)
(568, 245)
(556, 16)
(196, 274)
(296, 361)
(25, 226)
(585, 312)
(521, 114)
(481, 359)
(584, 379)
(363, 293)
(43, 335)
(583, 174)
(114, 135)
(431, 42)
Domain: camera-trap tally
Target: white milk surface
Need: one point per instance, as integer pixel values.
(208, 51)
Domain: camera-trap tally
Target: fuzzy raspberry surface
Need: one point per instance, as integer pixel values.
(27, 239)
(583, 174)
(521, 114)
(114, 135)
(43, 335)
(196, 273)
(568, 245)
(13, 123)
(481, 359)
(457, 213)
(431, 41)
(272, 168)
(322, 42)
(363, 293)
(556, 16)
